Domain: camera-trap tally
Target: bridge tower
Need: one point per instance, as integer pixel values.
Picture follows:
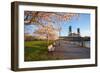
(70, 30)
(78, 31)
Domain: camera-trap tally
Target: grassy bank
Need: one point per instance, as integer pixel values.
(36, 50)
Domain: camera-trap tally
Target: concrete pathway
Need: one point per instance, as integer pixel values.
(68, 50)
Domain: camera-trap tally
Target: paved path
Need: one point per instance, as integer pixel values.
(68, 50)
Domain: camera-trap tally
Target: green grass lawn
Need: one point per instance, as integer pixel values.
(36, 50)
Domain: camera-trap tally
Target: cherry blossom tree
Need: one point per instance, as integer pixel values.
(46, 32)
(41, 17)
(43, 20)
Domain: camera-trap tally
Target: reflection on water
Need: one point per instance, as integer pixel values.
(82, 43)
(87, 44)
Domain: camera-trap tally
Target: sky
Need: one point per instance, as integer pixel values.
(83, 22)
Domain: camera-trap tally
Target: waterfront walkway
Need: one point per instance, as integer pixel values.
(69, 50)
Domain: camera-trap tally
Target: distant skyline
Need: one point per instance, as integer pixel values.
(83, 22)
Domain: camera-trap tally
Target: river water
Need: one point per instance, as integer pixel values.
(84, 43)
(87, 44)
